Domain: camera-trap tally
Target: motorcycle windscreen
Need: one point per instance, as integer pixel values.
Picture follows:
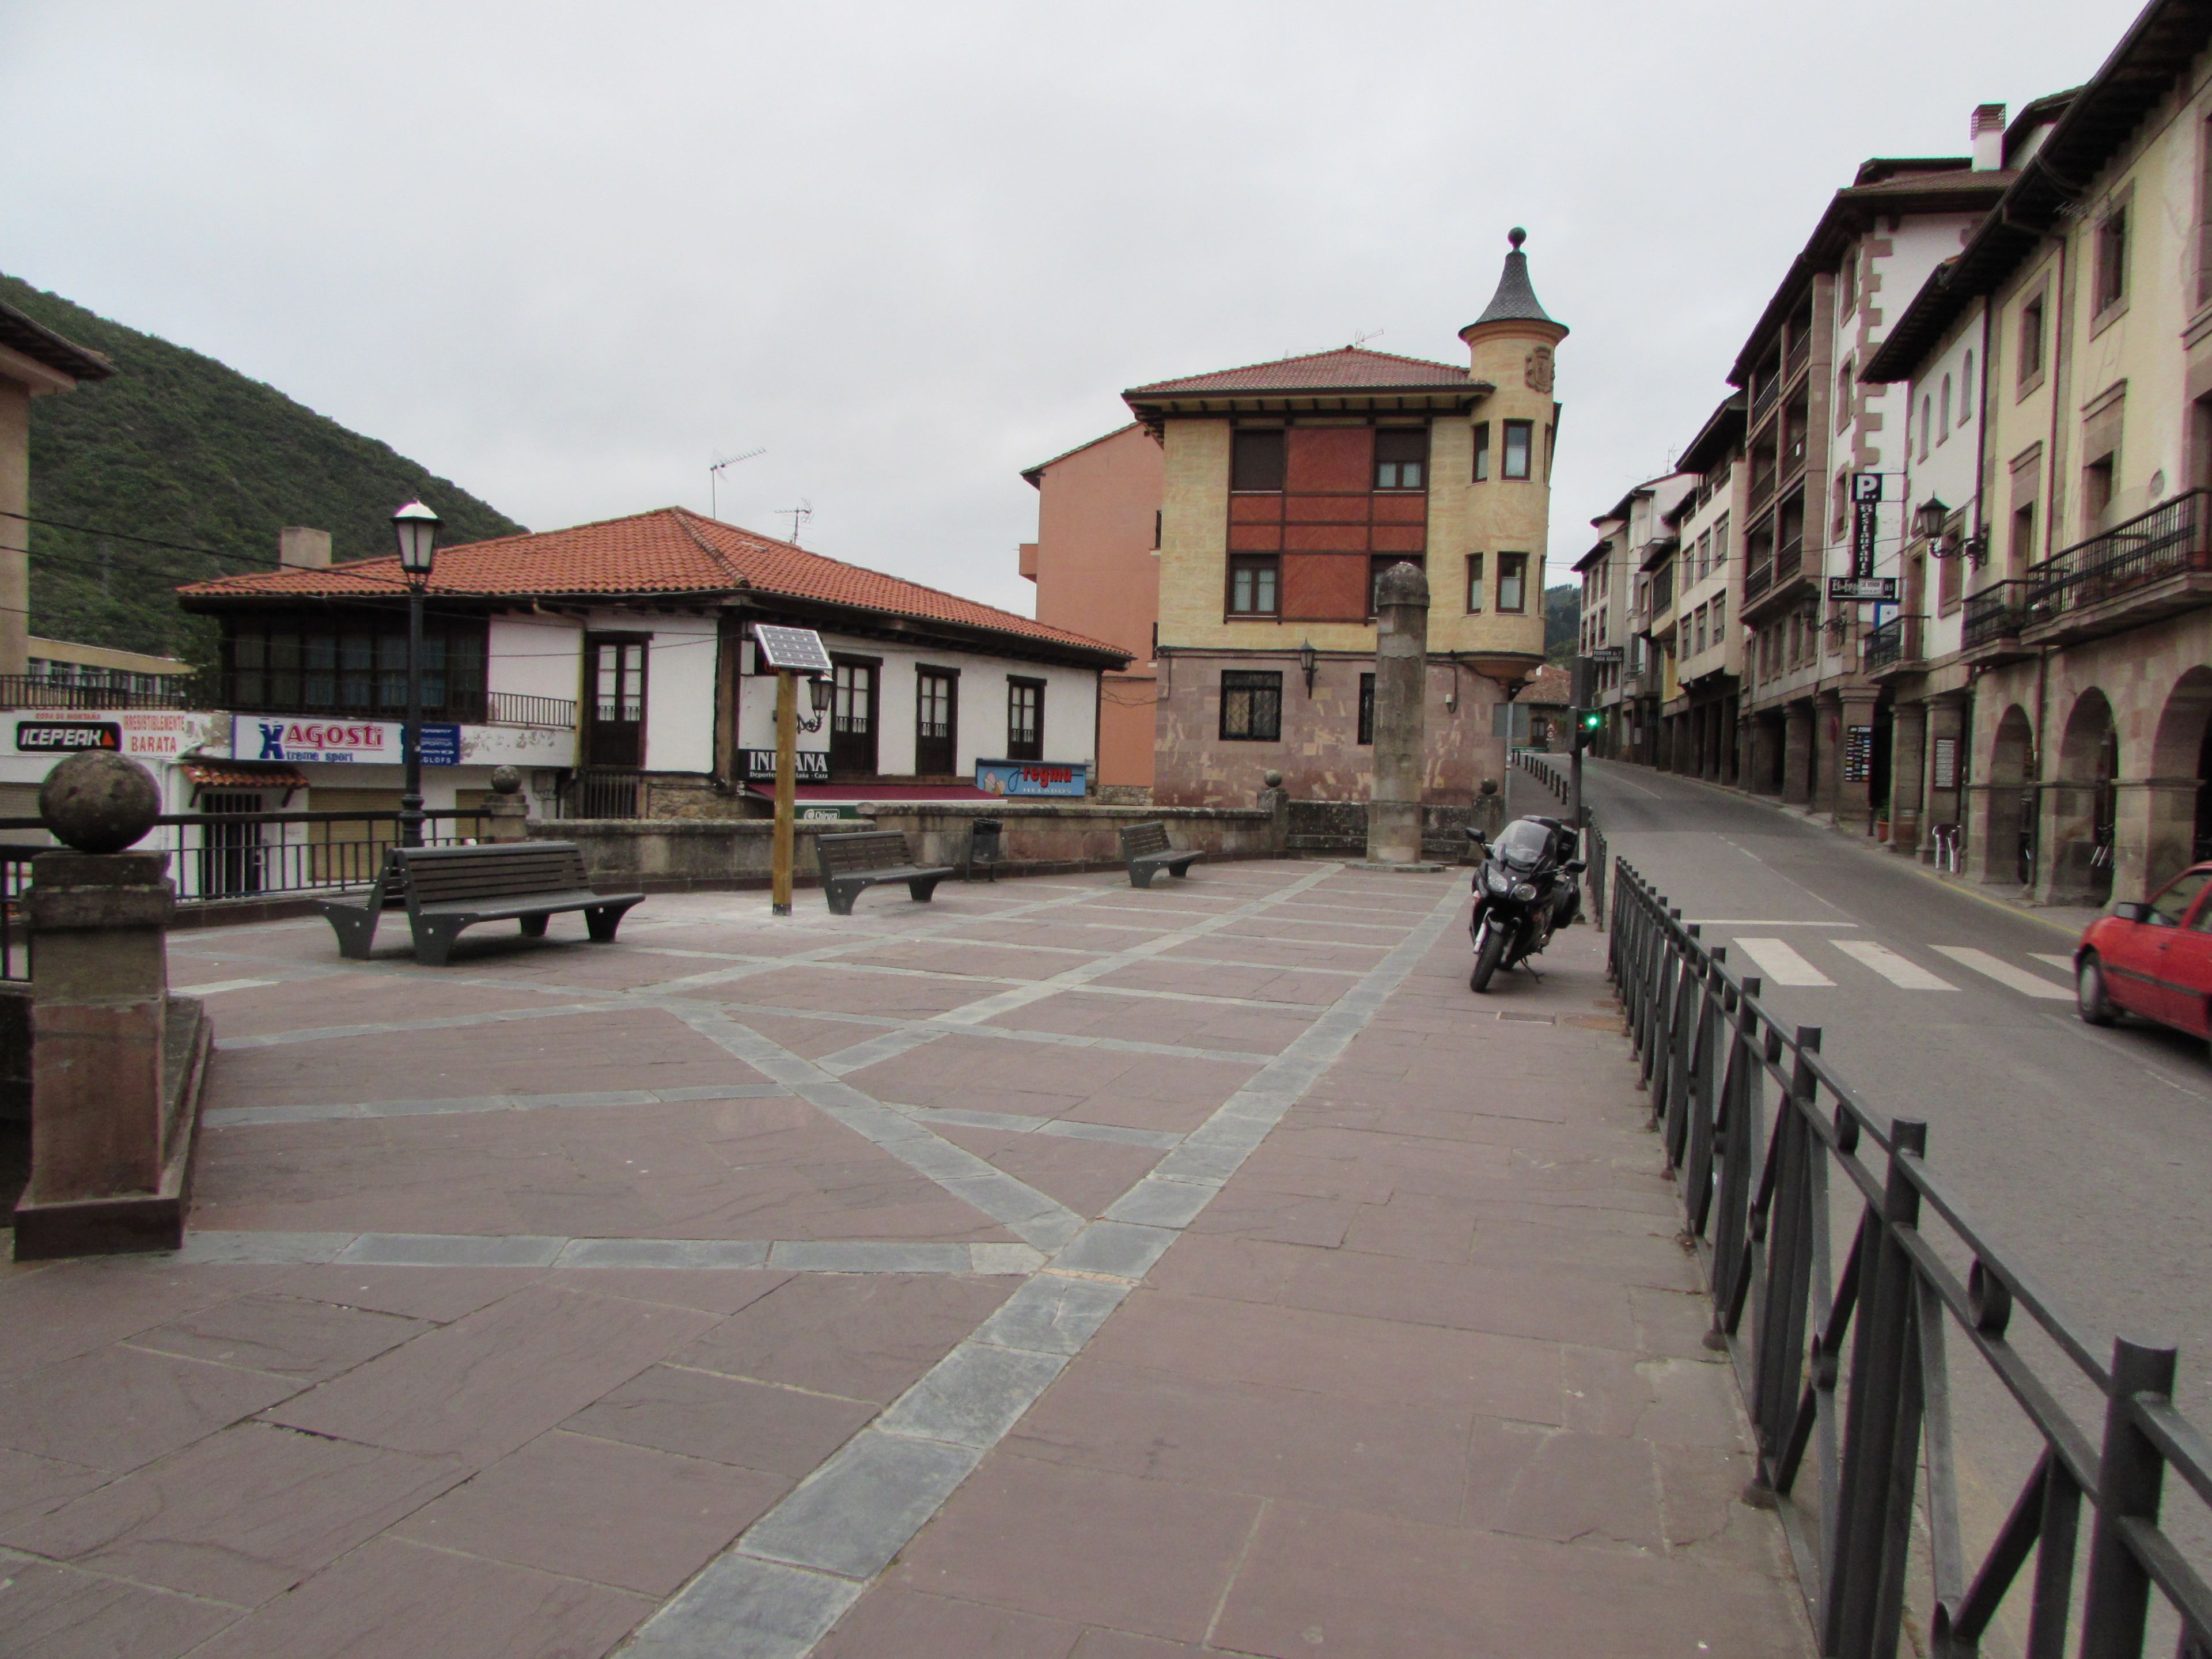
(1524, 843)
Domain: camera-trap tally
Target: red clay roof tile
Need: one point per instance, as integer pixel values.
(1346, 367)
(670, 550)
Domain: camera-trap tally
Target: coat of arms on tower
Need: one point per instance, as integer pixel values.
(1537, 370)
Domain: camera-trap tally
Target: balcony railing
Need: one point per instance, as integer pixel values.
(1769, 387)
(518, 709)
(1799, 354)
(2148, 548)
(1895, 642)
(234, 855)
(30, 691)
(603, 792)
(1993, 613)
(1790, 559)
(1757, 579)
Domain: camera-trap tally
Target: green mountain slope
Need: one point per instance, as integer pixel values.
(1562, 622)
(179, 448)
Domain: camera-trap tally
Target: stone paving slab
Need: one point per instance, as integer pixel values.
(1054, 1269)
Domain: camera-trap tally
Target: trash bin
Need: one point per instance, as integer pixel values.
(986, 845)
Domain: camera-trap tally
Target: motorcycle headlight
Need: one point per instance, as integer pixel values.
(1495, 880)
(1525, 891)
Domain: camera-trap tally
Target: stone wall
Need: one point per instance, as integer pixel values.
(663, 855)
(1338, 828)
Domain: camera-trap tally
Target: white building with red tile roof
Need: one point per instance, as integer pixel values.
(612, 663)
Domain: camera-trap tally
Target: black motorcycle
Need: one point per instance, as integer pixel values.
(1524, 892)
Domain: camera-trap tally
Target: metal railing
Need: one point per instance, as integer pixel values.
(520, 708)
(30, 691)
(235, 855)
(603, 792)
(1993, 613)
(2148, 548)
(1788, 558)
(1894, 642)
(1845, 1361)
(1757, 579)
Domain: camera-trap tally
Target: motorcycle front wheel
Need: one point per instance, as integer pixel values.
(1487, 954)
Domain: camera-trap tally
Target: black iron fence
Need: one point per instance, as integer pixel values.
(237, 855)
(1844, 1362)
(2164, 542)
(470, 707)
(603, 793)
(1896, 641)
(32, 692)
(1993, 613)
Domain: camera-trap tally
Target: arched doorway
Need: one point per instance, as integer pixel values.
(2011, 851)
(2085, 813)
(2181, 781)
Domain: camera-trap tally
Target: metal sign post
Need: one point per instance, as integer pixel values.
(790, 652)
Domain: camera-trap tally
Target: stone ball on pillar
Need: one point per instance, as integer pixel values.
(96, 801)
(1490, 786)
(504, 781)
(1271, 778)
(1401, 584)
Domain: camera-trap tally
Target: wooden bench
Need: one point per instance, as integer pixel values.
(853, 864)
(446, 888)
(1144, 846)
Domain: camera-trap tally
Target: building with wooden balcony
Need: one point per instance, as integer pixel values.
(2053, 676)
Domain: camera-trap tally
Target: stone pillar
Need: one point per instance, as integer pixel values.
(2155, 835)
(1487, 814)
(1401, 649)
(115, 1065)
(507, 813)
(1275, 802)
(1851, 799)
(2066, 841)
(1908, 742)
(1993, 826)
(1946, 718)
(1797, 755)
(1760, 763)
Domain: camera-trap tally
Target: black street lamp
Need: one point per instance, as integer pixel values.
(416, 527)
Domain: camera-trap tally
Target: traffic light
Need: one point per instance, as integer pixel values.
(1593, 721)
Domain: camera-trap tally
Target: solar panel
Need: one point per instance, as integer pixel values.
(791, 650)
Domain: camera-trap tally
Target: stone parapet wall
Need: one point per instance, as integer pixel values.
(662, 855)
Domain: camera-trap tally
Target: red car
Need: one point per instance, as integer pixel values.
(2152, 959)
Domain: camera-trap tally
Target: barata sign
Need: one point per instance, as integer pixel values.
(254, 738)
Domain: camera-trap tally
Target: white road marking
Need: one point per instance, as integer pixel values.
(1781, 964)
(2063, 964)
(2017, 979)
(1738, 921)
(1900, 971)
(215, 986)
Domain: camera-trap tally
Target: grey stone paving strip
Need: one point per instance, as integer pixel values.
(849, 1520)
(531, 1250)
(1070, 1129)
(242, 1116)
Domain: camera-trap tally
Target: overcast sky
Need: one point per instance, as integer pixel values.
(568, 255)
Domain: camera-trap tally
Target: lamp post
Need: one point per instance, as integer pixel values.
(416, 527)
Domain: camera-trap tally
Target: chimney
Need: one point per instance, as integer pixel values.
(299, 547)
(1988, 128)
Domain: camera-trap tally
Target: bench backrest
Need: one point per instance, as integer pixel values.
(1139, 839)
(439, 875)
(856, 854)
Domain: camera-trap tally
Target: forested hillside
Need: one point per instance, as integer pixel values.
(1562, 620)
(177, 447)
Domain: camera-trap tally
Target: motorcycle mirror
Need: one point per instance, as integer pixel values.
(1574, 866)
(1475, 836)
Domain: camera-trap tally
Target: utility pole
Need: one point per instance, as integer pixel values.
(787, 789)
(1585, 718)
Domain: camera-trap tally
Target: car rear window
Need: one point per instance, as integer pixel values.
(2167, 910)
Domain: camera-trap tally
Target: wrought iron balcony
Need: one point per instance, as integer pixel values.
(2145, 553)
(1757, 579)
(32, 692)
(1895, 644)
(1790, 559)
(1993, 614)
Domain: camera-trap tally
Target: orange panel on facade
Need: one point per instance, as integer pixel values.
(1399, 538)
(1324, 587)
(1254, 538)
(1325, 509)
(1255, 510)
(1326, 537)
(1330, 458)
(1401, 507)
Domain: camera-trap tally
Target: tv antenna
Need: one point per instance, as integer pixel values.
(714, 478)
(1360, 338)
(799, 515)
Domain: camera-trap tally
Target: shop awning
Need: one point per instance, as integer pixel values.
(244, 774)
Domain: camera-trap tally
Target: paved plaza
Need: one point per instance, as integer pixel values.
(1055, 1271)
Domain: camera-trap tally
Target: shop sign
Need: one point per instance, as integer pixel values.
(1009, 777)
(827, 812)
(1947, 762)
(1866, 514)
(1881, 590)
(67, 737)
(1858, 754)
(254, 738)
(811, 766)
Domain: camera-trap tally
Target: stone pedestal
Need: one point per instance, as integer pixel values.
(507, 818)
(1275, 802)
(1401, 647)
(116, 1063)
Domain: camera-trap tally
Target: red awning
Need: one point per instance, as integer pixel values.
(244, 774)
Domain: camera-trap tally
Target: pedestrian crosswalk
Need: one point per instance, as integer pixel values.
(1813, 961)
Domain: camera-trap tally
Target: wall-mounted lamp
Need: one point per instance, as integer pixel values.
(819, 691)
(1928, 518)
(1307, 659)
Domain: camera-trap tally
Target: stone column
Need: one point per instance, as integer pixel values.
(115, 1065)
(507, 813)
(1946, 718)
(1275, 802)
(2155, 835)
(1401, 648)
(1797, 755)
(1908, 742)
(1851, 799)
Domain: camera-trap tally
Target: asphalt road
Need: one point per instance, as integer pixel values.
(2086, 1153)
